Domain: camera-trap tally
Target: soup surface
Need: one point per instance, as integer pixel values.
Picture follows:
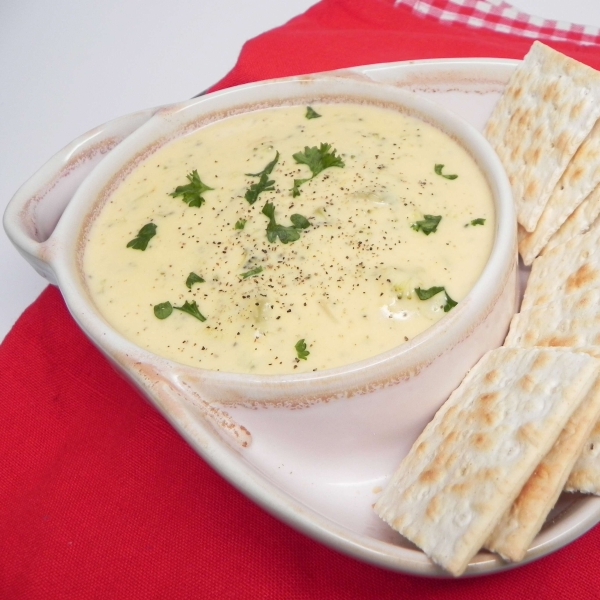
(291, 239)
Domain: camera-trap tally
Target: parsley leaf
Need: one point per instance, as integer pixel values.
(428, 224)
(285, 234)
(450, 304)
(429, 293)
(311, 113)
(433, 291)
(438, 171)
(191, 309)
(191, 193)
(478, 222)
(240, 224)
(145, 234)
(317, 160)
(264, 184)
(251, 272)
(192, 279)
(301, 351)
(163, 310)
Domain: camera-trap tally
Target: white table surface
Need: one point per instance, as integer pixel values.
(69, 65)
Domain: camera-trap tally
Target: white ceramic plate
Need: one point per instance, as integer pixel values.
(328, 497)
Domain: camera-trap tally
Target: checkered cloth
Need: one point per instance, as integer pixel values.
(503, 17)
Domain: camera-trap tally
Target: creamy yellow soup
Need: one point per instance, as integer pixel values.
(321, 241)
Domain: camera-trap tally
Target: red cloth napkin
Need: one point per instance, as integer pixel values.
(100, 498)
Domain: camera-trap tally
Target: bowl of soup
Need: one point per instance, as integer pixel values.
(306, 267)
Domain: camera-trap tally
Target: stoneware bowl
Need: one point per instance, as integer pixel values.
(312, 448)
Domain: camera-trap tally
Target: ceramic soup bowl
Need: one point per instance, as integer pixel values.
(313, 448)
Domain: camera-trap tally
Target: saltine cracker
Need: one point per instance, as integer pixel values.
(516, 530)
(471, 461)
(549, 106)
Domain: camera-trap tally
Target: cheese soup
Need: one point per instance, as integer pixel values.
(291, 239)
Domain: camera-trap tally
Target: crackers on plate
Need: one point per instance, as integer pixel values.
(544, 129)
(524, 425)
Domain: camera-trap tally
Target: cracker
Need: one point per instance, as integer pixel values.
(515, 531)
(569, 321)
(579, 221)
(571, 267)
(549, 106)
(585, 475)
(579, 179)
(471, 461)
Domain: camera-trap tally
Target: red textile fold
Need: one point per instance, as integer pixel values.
(100, 497)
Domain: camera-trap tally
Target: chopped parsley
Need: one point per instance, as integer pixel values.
(240, 224)
(478, 222)
(285, 234)
(311, 113)
(145, 234)
(191, 193)
(317, 160)
(438, 171)
(428, 224)
(191, 308)
(264, 184)
(251, 272)
(301, 351)
(192, 279)
(433, 291)
(163, 310)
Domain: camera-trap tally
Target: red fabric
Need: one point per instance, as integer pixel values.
(100, 498)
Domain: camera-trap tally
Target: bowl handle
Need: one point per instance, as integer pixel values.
(34, 211)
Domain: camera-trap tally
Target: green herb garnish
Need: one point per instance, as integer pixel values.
(285, 234)
(192, 279)
(438, 171)
(301, 351)
(264, 184)
(191, 309)
(433, 291)
(145, 234)
(191, 193)
(240, 224)
(311, 113)
(317, 160)
(478, 222)
(251, 272)
(163, 310)
(428, 224)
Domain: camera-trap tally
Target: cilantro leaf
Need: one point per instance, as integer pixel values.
(438, 171)
(192, 279)
(240, 224)
(264, 184)
(145, 234)
(191, 309)
(433, 291)
(301, 351)
(478, 222)
(163, 310)
(191, 193)
(285, 234)
(251, 272)
(317, 160)
(428, 224)
(311, 113)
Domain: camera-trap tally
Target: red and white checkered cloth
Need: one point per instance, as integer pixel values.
(500, 16)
